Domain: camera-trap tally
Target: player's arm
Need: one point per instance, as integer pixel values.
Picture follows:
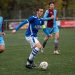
(46, 18)
(1, 22)
(57, 16)
(23, 23)
(20, 25)
(45, 30)
(1, 26)
(2, 33)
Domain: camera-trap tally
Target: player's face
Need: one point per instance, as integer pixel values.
(40, 12)
(51, 6)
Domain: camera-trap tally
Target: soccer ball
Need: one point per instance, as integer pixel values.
(43, 65)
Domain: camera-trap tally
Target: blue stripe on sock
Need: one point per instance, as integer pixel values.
(34, 52)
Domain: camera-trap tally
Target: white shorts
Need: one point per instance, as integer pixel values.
(32, 40)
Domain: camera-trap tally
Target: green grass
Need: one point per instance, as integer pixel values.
(12, 61)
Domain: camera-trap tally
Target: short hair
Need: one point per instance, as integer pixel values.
(37, 9)
(51, 3)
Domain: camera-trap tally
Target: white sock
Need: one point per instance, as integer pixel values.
(33, 53)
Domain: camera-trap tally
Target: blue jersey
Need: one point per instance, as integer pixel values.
(35, 24)
(1, 22)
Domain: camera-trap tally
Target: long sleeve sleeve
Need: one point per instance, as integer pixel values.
(45, 17)
(1, 22)
(21, 24)
(30, 19)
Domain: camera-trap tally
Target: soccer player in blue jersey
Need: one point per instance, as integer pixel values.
(35, 24)
(52, 26)
(2, 44)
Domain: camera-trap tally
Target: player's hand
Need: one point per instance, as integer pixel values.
(56, 18)
(13, 31)
(51, 36)
(52, 17)
(3, 33)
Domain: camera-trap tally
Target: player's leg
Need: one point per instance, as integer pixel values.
(46, 38)
(45, 41)
(36, 45)
(2, 45)
(2, 48)
(56, 41)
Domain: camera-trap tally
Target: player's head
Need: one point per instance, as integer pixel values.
(39, 11)
(51, 5)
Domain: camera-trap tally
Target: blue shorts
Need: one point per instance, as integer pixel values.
(1, 41)
(53, 30)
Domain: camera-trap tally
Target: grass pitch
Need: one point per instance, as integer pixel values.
(13, 60)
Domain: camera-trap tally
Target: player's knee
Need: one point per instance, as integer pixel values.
(39, 45)
(46, 38)
(2, 49)
(57, 37)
